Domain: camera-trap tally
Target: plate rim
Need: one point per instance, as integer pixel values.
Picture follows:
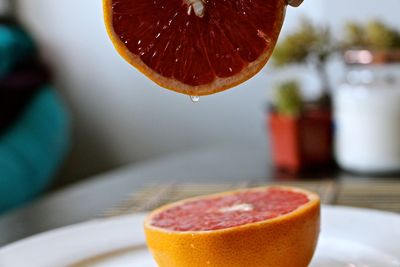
(22, 244)
(93, 222)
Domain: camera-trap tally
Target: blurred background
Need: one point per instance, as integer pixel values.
(110, 115)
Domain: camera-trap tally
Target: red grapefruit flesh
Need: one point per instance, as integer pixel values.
(196, 47)
(229, 211)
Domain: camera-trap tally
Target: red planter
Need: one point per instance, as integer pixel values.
(301, 143)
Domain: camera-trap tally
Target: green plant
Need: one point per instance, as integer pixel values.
(354, 36)
(382, 37)
(289, 101)
(375, 35)
(309, 44)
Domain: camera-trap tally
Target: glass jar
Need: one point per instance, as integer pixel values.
(367, 113)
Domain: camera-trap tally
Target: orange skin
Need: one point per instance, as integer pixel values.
(286, 241)
(219, 84)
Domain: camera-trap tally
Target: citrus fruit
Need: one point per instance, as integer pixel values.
(195, 47)
(262, 227)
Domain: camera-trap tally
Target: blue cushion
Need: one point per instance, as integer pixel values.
(32, 150)
(15, 45)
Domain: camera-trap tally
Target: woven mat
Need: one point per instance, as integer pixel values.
(383, 195)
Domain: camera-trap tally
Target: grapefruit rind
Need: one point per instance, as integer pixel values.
(218, 85)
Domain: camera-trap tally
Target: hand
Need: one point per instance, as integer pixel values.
(294, 3)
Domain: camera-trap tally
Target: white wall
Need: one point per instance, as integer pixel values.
(122, 117)
(339, 11)
(4, 7)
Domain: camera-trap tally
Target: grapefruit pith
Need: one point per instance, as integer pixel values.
(195, 47)
(261, 227)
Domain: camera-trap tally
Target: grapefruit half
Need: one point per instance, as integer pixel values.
(262, 227)
(195, 47)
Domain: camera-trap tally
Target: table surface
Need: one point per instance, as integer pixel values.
(241, 166)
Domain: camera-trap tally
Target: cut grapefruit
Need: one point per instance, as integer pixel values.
(195, 47)
(262, 227)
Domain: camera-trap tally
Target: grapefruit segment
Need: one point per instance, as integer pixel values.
(262, 227)
(195, 47)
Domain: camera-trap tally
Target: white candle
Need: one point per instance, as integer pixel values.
(367, 127)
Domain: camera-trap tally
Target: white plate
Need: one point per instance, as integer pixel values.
(349, 238)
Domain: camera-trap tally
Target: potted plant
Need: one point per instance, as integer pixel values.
(301, 131)
(301, 136)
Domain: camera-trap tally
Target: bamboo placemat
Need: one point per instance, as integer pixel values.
(382, 195)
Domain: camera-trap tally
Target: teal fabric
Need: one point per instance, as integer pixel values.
(32, 150)
(15, 45)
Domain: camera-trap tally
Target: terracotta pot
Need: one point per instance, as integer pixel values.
(300, 143)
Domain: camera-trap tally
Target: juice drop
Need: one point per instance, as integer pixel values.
(195, 99)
